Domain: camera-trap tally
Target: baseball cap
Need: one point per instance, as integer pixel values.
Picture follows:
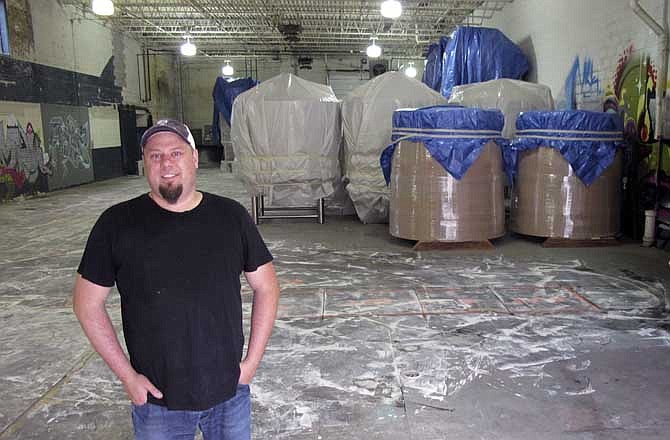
(171, 125)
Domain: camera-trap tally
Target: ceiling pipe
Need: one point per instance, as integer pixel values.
(644, 16)
(661, 31)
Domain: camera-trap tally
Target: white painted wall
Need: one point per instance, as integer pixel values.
(164, 87)
(104, 123)
(65, 37)
(553, 32)
(127, 74)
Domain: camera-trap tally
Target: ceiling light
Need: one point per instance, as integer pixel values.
(410, 70)
(102, 7)
(188, 49)
(373, 51)
(391, 9)
(227, 70)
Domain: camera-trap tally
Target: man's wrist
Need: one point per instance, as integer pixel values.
(127, 375)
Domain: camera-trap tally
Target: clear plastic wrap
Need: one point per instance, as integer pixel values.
(549, 200)
(446, 174)
(507, 95)
(367, 122)
(429, 204)
(286, 134)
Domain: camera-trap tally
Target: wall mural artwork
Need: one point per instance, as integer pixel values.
(68, 142)
(632, 90)
(581, 84)
(632, 94)
(24, 166)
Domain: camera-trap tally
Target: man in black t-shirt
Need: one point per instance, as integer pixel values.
(176, 255)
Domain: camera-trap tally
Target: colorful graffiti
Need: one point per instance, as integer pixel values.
(24, 166)
(632, 90)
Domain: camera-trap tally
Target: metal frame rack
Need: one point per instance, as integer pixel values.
(261, 212)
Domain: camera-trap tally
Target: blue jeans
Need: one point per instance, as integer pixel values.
(229, 420)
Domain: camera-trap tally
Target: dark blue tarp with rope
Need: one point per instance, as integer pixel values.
(587, 140)
(453, 135)
(224, 94)
(477, 54)
(432, 73)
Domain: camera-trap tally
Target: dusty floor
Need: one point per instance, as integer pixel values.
(373, 340)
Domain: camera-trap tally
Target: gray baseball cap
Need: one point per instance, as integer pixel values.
(171, 125)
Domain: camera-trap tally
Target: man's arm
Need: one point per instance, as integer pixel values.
(88, 301)
(263, 281)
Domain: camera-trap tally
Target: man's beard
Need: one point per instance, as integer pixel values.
(171, 193)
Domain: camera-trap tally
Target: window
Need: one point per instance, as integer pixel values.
(4, 29)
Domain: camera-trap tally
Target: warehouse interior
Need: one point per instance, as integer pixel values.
(467, 201)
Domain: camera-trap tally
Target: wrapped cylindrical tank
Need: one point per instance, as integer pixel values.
(446, 174)
(366, 117)
(568, 175)
(286, 134)
(510, 96)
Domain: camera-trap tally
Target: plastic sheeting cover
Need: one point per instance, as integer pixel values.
(587, 140)
(549, 200)
(224, 95)
(476, 54)
(428, 204)
(510, 96)
(453, 135)
(367, 114)
(286, 135)
(432, 73)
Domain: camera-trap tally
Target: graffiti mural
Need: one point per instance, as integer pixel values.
(632, 90)
(581, 84)
(68, 142)
(24, 166)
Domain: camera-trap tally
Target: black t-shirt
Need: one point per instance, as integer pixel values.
(178, 274)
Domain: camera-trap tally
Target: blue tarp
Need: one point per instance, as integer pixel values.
(587, 140)
(477, 54)
(453, 135)
(432, 73)
(224, 94)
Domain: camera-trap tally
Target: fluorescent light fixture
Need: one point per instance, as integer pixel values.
(188, 49)
(227, 70)
(102, 7)
(373, 51)
(410, 70)
(391, 9)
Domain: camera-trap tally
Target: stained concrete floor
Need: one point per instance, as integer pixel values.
(373, 339)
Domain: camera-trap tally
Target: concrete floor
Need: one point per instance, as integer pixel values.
(373, 339)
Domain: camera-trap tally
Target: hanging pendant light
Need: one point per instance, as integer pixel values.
(391, 9)
(410, 70)
(373, 51)
(188, 49)
(227, 70)
(102, 7)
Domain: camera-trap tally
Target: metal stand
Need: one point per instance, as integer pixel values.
(260, 212)
(227, 157)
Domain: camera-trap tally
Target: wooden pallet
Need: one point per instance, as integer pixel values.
(570, 243)
(452, 245)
